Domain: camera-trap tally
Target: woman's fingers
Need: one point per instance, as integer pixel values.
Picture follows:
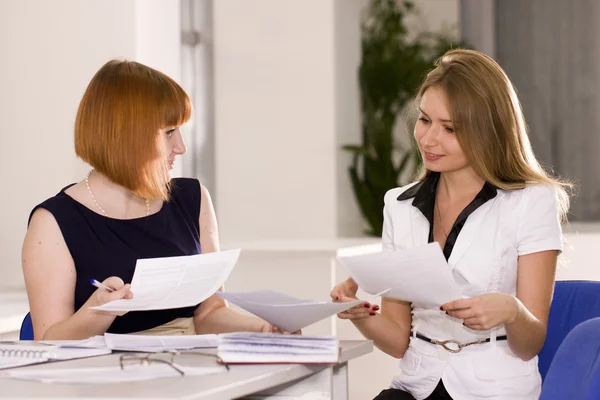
(276, 329)
(114, 282)
(356, 313)
(347, 288)
(121, 290)
(462, 314)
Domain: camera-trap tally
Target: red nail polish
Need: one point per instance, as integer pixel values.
(441, 309)
(372, 313)
(337, 298)
(367, 305)
(375, 308)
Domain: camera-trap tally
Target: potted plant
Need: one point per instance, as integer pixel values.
(390, 73)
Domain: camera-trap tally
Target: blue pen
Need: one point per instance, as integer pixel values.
(101, 286)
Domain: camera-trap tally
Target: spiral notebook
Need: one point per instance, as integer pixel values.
(17, 355)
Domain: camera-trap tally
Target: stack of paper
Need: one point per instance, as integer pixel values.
(144, 343)
(159, 343)
(254, 348)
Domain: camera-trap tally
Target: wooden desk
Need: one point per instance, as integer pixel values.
(314, 382)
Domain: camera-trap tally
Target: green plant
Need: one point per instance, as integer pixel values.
(391, 71)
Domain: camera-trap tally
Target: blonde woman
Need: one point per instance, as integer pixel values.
(497, 217)
(126, 208)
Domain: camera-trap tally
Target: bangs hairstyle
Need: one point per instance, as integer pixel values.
(488, 122)
(117, 129)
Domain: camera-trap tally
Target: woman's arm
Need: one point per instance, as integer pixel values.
(390, 330)
(50, 278)
(213, 315)
(535, 283)
(525, 316)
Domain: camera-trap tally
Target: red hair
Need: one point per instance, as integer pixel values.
(117, 129)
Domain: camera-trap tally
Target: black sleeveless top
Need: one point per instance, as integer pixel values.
(102, 247)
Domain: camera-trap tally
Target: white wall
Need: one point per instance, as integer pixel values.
(276, 116)
(158, 35)
(50, 50)
(347, 57)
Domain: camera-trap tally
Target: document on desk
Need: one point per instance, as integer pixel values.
(259, 348)
(90, 375)
(287, 312)
(151, 343)
(174, 282)
(419, 275)
(143, 343)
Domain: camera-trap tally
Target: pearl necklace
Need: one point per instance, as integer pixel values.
(87, 183)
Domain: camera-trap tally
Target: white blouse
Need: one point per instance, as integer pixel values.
(483, 260)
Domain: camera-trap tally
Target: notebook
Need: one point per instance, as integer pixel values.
(273, 348)
(17, 355)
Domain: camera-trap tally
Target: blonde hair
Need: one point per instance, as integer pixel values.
(118, 123)
(489, 123)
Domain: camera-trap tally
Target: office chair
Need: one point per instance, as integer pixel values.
(573, 303)
(26, 332)
(574, 373)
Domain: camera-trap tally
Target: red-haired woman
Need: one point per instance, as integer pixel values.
(126, 208)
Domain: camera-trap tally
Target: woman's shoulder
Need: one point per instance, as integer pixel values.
(184, 185)
(186, 192)
(533, 192)
(402, 193)
(188, 188)
(56, 206)
(60, 199)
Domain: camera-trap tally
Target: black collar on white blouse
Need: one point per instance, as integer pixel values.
(424, 199)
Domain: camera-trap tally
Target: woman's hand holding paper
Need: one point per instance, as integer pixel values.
(121, 291)
(345, 292)
(484, 312)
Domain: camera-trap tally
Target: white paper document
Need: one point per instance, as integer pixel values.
(287, 312)
(107, 374)
(94, 342)
(144, 343)
(159, 343)
(174, 282)
(20, 362)
(419, 275)
(255, 347)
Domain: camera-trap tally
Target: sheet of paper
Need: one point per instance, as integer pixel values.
(159, 343)
(174, 282)
(94, 342)
(419, 275)
(286, 312)
(19, 362)
(107, 374)
(24, 354)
